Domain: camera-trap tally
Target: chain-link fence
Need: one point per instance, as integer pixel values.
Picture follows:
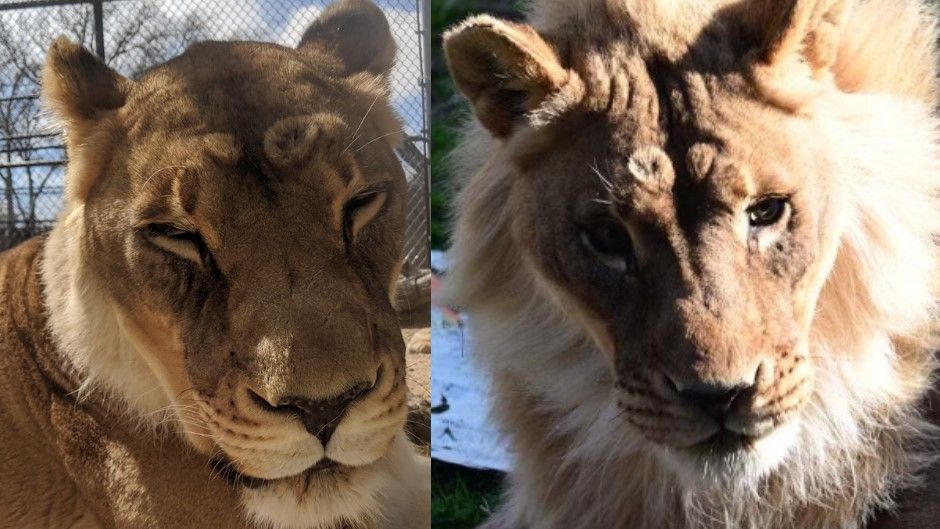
(132, 35)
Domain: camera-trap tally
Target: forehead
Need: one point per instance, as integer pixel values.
(216, 178)
(257, 120)
(647, 97)
(240, 135)
(235, 87)
(696, 108)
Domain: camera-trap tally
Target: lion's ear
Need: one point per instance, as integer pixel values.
(81, 91)
(357, 33)
(78, 87)
(505, 69)
(796, 32)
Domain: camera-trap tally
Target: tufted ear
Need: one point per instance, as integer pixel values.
(796, 32)
(357, 33)
(505, 69)
(81, 91)
(508, 70)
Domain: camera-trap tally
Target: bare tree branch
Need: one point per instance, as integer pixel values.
(138, 35)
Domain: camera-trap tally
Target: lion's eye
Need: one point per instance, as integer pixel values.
(767, 211)
(178, 241)
(360, 210)
(612, 244)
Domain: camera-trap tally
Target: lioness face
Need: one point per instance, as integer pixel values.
(243, 209)
(677, 213)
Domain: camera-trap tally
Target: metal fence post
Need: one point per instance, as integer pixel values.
(99, 27)
(425, 30)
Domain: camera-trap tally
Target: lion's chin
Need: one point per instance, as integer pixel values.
(729, 459)
(325, 496)
(324, 469)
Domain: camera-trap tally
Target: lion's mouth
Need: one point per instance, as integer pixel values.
(227, 471)
(722, 442)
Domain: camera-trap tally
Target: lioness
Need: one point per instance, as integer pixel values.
(206, 338)
(698, 244)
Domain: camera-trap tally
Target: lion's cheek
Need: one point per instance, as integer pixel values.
(370, 427)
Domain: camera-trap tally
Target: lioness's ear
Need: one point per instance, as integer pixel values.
(78, 87)
(356, 32)
(505, 69)
(81, 91)
(791, 32)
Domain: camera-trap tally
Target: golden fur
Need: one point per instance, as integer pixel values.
(222, 271)
(670, 121)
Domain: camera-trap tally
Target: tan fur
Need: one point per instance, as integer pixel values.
(671, 119)
(209, 278)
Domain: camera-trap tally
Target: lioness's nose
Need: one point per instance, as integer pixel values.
(321, 417)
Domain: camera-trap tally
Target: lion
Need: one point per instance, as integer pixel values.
(697, 242)
(206, 337)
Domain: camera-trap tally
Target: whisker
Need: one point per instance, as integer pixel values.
(363, 120)
(377, 138)
(158, 171)
(608, 185)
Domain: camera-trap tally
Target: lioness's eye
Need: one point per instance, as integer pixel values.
(178, 241)
(612, 244)
(767, 211)
(360, 210)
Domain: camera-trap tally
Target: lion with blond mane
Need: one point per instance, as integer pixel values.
(206, 338)
(698, 245)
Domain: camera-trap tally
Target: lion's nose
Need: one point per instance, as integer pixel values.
(715, 400)
(320, 417)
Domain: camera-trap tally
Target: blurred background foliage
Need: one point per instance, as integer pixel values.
(462, 497)
(449, 109)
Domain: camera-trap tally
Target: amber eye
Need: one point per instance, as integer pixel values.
(611, 243)
(767, 211)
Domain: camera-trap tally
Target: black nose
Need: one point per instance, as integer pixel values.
(714, 399)
(321, 417)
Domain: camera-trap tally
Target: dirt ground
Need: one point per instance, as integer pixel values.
(418, 358)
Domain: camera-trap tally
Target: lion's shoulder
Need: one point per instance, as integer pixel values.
(29, 369)
(20, 294)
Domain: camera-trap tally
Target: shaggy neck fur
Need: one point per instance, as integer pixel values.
(861, 438)
(87, 328)
(858, 446)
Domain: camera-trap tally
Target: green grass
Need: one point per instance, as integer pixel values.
(462, 498)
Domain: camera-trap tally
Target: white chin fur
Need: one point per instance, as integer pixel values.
(384, 494)
(700, 471)
(326, 503)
